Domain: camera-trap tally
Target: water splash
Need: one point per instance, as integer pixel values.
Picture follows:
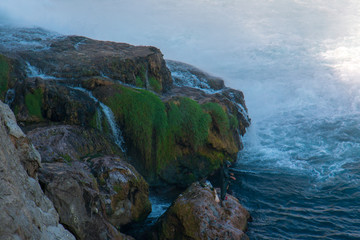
(183, 75)
(33, 71)
(116, 132)
(34, 39)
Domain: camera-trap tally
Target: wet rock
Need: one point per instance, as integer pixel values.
(25, 212)
(38, 100)
(196, 215)
(75, 58)
(188, 75)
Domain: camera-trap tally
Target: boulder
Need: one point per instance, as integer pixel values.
(196, 215)
(96, 197)
(25, 212)
(123, 190)
(75, 194)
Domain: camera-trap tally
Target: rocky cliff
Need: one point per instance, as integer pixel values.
(25, 212)
(176, 127)
(93, 109)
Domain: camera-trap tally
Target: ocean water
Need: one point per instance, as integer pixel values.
(298, 64)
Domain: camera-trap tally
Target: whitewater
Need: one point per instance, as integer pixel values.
(298, 64)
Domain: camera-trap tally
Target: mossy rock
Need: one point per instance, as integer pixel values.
(34, 103)
(4, 76)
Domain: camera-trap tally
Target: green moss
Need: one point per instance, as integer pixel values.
(143, 116)
(33, 102)
(192, 124)
(96, 120)
(102, 181)
(219, 116)
(161, 134)
(4, 76)
(117, 188)
(68, 160)
(234, 122)
(155, 84)
(139, 82)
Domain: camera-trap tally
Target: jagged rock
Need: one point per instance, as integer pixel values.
(25, 212)
(67, 143)
(196, 215)
(162, 145)
(123, 190)
(29, 157)
(96, 197)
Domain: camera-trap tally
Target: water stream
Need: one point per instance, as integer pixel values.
(109, 115)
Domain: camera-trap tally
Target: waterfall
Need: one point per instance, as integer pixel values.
(10, 96)
(109, 115)
(33, 71)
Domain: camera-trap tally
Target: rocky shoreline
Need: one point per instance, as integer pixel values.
(107, 120)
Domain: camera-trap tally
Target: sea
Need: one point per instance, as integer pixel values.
(298, 64)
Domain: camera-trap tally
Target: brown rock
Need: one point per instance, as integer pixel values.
(196, 215)
(123, 190)
(75, 195)
(93, 202)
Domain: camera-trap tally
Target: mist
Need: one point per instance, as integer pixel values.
(279, 52)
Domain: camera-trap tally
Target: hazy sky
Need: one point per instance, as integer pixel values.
(248, 42)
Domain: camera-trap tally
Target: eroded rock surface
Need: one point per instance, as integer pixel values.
(25, 212)
(196, 215)
(67, 143)
(96, 197)
(123, 190)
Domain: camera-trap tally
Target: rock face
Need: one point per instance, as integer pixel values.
(178, 127)
(68, 143)
(84, 207)
(96, 197)
(122, 189)
(25, 212)
(196, 215)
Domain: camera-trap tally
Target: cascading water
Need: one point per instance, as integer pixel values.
(32, 71)
(116, 132)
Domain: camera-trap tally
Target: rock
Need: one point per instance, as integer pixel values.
(75, 194)
(67, 143)
(75, 58)
(69, 79)
(29, 157)
(38, 100)
(25, 212)
(123, 190)
(196, 215)
(97, 197)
